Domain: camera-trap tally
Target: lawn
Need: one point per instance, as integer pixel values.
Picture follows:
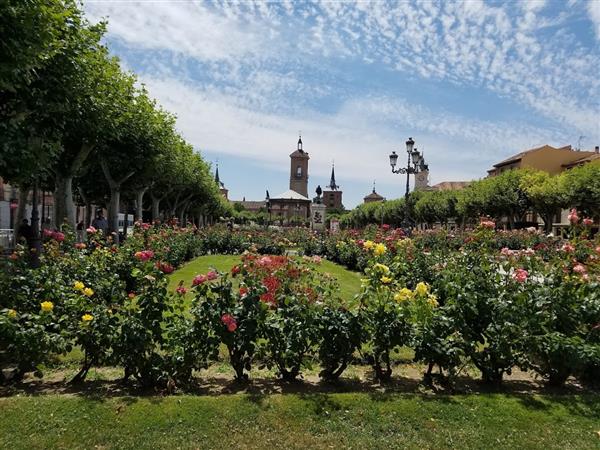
(349, 282)
(344, 420)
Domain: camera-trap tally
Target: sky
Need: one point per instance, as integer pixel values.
(471, 82)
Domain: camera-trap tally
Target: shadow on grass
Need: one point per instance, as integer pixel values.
(531, 393)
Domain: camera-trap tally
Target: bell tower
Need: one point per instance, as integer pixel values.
(299, 170)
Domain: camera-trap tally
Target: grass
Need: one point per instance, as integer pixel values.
(345, 420)
(349, 282)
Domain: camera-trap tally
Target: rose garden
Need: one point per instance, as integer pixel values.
(440, 311)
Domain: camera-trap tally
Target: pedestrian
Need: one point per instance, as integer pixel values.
(100, 223)
(25, 232)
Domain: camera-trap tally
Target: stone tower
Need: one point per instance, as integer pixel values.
(422, 177)
(299, 170)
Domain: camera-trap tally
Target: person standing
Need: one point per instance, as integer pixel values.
(25, 232)
(100, 223)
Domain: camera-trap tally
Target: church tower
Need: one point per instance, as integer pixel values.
(299, 170)
(332, 196)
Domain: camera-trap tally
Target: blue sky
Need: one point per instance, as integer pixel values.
(472, 82)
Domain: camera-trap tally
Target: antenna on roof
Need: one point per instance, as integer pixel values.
(581, 138)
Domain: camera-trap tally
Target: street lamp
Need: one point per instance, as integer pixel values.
(414, 164)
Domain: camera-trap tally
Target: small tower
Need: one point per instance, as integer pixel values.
(299, 170)
(224, 191)
(332, 197)
(373, 196)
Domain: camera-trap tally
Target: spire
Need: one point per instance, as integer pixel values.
(217, 176)
(300, 141)
(332, 185)
(374, 187)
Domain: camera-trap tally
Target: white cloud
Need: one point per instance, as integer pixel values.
(359, 136)
(593, 9)
(243, 77)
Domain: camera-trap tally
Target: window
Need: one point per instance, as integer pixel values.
(299, 172)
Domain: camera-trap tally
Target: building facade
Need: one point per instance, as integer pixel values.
(547, 158)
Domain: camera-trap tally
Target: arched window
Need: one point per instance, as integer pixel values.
(299, 172)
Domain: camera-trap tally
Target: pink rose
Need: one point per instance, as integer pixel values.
(579, 268)
(506, 252)
(520, 275)
(199, 279)
(488, 224)
(568, 248)
(212, 275)
(181, 290)
(91, 230)
(229, 321)
(573, 217)
(588, 222)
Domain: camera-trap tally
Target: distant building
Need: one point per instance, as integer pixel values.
(332, 196)
(251, 206)
(373, 196)
(547, 158)
(450, 185)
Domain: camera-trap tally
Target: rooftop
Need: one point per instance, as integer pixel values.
(450, 185)
(290, 195)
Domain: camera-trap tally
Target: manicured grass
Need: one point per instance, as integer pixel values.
(254, 421)
(349, 282)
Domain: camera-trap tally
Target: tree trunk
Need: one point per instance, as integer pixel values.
(155, 208)
(139, 202)
(113, 211)
(21, 206)
(35, 246)
(115, 198)
(64, 206)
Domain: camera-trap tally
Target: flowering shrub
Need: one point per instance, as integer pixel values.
(289, 329)
(234, 316)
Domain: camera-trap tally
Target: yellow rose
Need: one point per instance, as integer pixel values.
(11, 313)
(382, 267)
(404, 295)
(432, 300)
(87, 318)
(386, 280)
(47, 306)
(379, 250)
(88, 292)
(369, 245)
(78, 285)
(422, 289)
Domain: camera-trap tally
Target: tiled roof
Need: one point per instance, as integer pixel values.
(519, 156)
(450, 185)
(290, 195)
(583, 160)
(373, 195)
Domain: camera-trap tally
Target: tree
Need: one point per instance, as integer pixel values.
(582, 188)
(546, 193)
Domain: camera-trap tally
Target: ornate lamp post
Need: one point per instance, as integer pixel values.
(414, 165)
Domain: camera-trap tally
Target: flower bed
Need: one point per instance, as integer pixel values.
(456, 300)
